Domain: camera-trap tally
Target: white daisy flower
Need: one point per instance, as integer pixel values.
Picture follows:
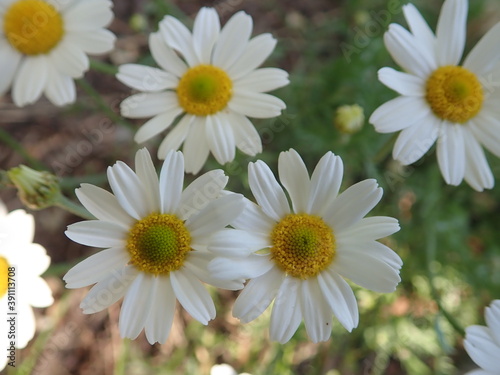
(298, 256)
(483, 343)
(457, 106)
(156, 236)
(43, 46)
(209, 92)
(21, 287)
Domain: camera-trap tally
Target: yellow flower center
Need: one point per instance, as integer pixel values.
(4, 268)
(303, 245)
(204, 90)
(158, 244)
(33, 27)
(454, 94)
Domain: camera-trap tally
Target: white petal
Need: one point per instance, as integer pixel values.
(232, 40)
(11, 60)
(171, 181)
(262, 80)
(176, 136)
(451, 32)
(200, 192)
(97, 233)
(205, 32)
(237, 243)
(451, 153)
(295, 178)
(399, 113)
(87, 15)
(340, 297)
(418, 26)
(96, 42)
(157, 124)
(484, 56)
(286, 314)
(165, 56)
(42, 296)
(96, 267)
(148, 104)
(480, 346)
(253, 219)
(257, 295)
(267, 191)
(69, 60)
(492, 316)
(245, 135)
(137, 305)
(103, 205)
(214, 216)
(146, 172)
(486, 128)
(414, 141)
(177, 36)
(370, 228)
(31, 80)
(220, 138)
(248, 267)
(405, 51)
(146, 78)
(192, 295)
(316, 311)
(257, 50)
(128, 190)
(325, 183)
(353, 204)
(477, 171)
(403, 83)
(109, 290)
(60, 89)
(161, 316)
(256, 104)
(195, 148)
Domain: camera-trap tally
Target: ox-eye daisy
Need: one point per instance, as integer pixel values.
(441, 100)
(21, 287)
(299, 256)
(156, 235)
(43, 46)
(483, 343)
(210, 91)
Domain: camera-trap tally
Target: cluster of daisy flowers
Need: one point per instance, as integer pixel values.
(297, 247)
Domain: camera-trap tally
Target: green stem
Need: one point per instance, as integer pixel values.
(102, 67)
(18, 147)
(103, 106)
(76, 209)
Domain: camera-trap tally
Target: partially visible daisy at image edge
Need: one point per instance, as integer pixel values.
(206, 87)
(483, 343)
(23, 262)
(457, 106)
(300, 255)
(44, 46)
(155, 236)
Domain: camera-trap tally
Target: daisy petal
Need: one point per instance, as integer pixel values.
(486, 128)
(286, 314)
(165, 56)
(399, 113)
(418, 26)
(234, 242)
(325, 183)
(403, 83)
(267, 191)
(60, 89)
(171, 181)
(157, 124)
(10, 62)
(146, 104)
(195, 148)
(255, 104)
(69, 60)
(249, 267)
(477, 171)
(484, 56)
(492, 316)
(220, 138)
(161, 317)
(146, 172)
(31, 80)
(97, 233)
(87, 15)
(177, 36)
(451, 32)
(146, 78)
(192, 295)
(232, 40)
(451, 153)
(257, 295)
(247, 138)
(95, 43)
(479, 345)
(198, 262)
(262, 80)
(370, 228)
(205, 32)
(317, 313)
(340, 297)
(353, 204)
(253, 219)
(176, 136)
(295, 178)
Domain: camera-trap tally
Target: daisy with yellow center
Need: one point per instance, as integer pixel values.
(457, 106)
(156, 237)
(299, 256)
(23, 261)
(43, 46)
(207, 86)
